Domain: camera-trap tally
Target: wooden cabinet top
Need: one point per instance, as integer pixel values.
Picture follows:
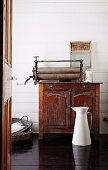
(68, 86)
(56, 82)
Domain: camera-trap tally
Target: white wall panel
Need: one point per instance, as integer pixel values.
(24, 107)
(29, 87)
(104, 98)
(27, 97)
(104, 88)
(100, 77)
(45, 28)
(104, 108)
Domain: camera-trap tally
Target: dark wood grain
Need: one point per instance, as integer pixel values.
(56, 152)
(6, 91)
(1, 67)
(56, 100)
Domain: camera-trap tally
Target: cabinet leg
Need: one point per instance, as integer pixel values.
(40, 136)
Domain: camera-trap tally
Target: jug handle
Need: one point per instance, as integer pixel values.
(90, 120)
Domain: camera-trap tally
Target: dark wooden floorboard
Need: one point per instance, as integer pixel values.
(56, 152)
(24, 168)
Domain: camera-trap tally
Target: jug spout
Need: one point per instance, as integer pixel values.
(80, 109)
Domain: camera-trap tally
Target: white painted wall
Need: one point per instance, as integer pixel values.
(45, 28)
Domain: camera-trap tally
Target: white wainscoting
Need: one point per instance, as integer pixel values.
(45, 28)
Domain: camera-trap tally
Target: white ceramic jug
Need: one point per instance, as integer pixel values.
(81, 134)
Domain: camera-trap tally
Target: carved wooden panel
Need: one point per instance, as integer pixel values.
(55, 109)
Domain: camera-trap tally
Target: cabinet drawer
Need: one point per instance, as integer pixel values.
(68, 86)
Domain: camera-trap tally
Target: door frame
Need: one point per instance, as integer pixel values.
(5, 83)
(1, 66)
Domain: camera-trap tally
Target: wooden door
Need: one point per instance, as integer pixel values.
(84, 97)
(56, 112)
(5, 76)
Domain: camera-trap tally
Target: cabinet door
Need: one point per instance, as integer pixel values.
(56, 109)
(85, 98)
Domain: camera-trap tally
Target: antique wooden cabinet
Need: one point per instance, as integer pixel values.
(56, 100)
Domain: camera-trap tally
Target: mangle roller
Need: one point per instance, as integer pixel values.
(57, 73)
